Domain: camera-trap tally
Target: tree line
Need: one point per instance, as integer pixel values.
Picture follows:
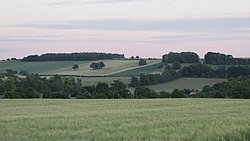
(207, 71)
(223, 59)
(85, 56)
(196, 70)
(62, 87)
(233, 88)
(152, 79)
(34, 86)
(183, 57)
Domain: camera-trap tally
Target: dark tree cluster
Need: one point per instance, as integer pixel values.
(234, 88)
(153, 79)
(144, 92)
(98, 65)
(142, 62)
(183, 57)
(33, 86)
(207, 71)
(235, 72)
(223, 59)
(72, 57)
(198, 70)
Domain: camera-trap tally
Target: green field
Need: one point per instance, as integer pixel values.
(186, 83)
(65, 67)
(135, 120)
(37, 67)
(137, 71)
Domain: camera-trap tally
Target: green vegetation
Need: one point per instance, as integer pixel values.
(38, 67)
(223, 59)
(183, 57)
(65, 67)
(105, 120)
(84, 56)
(86, 81)
(186, 83)
(142, 62)
(138, 70)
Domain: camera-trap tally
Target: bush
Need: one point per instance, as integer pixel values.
(144, 92)
(177, 94)
(164, 94)
(142, 62)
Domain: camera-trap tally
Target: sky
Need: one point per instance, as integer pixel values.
(148, 28)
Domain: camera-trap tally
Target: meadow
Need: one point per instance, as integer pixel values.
(114, 120)
(65, 67)
(37, 67)
(186, 83)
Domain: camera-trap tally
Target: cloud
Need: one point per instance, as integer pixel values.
(85, 2)
(227, 25)
(196, 29)
(28, 39)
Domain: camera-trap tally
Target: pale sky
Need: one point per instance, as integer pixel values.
(148, 28)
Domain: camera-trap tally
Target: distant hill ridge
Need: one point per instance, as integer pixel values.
(83, 56)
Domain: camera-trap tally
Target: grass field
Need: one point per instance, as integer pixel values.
(135, 120)
(186, 83)
(37, 67)
(112, 66)
(65, 67)
(137, 71)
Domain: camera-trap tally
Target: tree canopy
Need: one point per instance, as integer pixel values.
(98, 65)
(223, 59)
(142, 62)
(183, 57)
(72, 57)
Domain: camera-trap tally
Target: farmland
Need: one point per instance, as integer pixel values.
(186, 83)
(65, 67)
(159, 119)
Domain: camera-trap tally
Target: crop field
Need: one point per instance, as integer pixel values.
(65, 67)
(135, 120)
(37, 67)
(112, 66)
(137, 71)
(186, 83)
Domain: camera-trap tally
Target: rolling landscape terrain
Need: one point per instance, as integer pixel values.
(124, 70)
(114, 70)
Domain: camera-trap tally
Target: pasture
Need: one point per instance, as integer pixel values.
(150, 68)
(65, 67)
(136, 120)
(37, 67)
(186, 83)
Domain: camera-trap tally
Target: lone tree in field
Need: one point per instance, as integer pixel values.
(75, 67)
(142, 62)
(99, 65)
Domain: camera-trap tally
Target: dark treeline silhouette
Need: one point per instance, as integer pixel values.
(62, 87)
(207, 71)
(72, 57)
(34, 86)
(152, 79)
(234, 88)
(223, 59)
(196, 70)
(183, 57)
